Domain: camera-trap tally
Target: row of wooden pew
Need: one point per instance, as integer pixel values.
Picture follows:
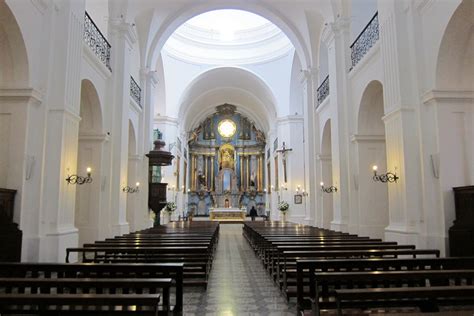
(141, 273)
(328, 270)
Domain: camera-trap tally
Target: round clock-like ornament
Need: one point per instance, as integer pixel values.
(226, 128)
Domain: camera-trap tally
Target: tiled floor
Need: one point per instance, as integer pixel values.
(238, 284)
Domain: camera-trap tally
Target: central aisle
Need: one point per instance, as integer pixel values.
(238, 284)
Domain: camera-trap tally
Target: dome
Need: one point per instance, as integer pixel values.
(228, 37)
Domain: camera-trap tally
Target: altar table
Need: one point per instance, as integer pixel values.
(227, 214)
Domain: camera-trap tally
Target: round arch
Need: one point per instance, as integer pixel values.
(238, 86)
(186, 13)
(371, 110)
(327, 209)
(372, 212)
(90, 110)
(455, 63)
(13, 54)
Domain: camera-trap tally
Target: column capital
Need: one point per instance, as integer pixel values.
(122, 28)
(151, 75)
(308, 74)
(333, 29)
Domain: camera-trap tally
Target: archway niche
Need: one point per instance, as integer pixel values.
(373, 214)
(90, 150)
(455, 107)
(133, 159)
(327, 215)
(13, 116)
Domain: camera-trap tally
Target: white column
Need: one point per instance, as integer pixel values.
(122, 38)
(290, 130)
(401, 117)
(56, 205)
(336, 36)
(308, 81)
(149, 81)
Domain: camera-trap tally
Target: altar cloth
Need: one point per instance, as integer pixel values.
(227, 214)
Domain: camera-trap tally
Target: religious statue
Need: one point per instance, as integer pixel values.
(193, 135)
(227, 157)
(202, 181)
(259, 136)
(252, 180)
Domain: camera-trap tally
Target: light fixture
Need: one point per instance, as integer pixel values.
(301, 192)
(385, 177)
(76, 179)
(129, 189)
(283, 187)
(330, 189)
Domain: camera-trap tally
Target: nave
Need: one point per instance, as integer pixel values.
(238, 283)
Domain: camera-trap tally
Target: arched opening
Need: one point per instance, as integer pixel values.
(13, 56)
(13, 74)
(89, 155)
(455, 114)
(162, 36)
(370, 146)
(326, 176)
(132, 172)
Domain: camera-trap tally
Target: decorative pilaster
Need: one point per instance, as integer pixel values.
(336, 35)
(123, 37)
(56, 204)
(402, 139)
(309, 79)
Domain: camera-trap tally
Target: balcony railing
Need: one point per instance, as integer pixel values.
(135, 91)
(366, 39)
(96, 41)
(323, 90)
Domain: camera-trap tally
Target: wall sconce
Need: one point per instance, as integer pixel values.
(301, 192)
(76, 179)
(129, 189)
(182, 188)
(283, 187)
(330, 189)
(173, 188)
(385, 177)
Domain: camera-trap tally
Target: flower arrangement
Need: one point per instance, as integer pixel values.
(283, 206)
(170, 207)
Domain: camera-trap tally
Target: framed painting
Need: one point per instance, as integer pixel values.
(298, 199)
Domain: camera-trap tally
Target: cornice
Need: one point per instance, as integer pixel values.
(356, 138)
(166, 119)
(447, 95)
(291, 119)
(21, 94)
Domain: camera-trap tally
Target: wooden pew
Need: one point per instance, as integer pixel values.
(306, 269)
(427, 299)
(60, 271)
(197, 260)
(328, 282)
(287, 260)
(79, 304)
(33, 286)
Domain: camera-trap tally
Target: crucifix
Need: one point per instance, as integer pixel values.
(283, 152)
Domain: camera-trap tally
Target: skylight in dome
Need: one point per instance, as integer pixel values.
(227, 22)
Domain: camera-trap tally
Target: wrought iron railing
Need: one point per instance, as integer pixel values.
(135, 91)
(366, 39)
(96, 41)
(323, 90)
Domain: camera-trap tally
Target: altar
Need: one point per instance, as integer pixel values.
(227, 214)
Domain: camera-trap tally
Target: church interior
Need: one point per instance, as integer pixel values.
(289, 157)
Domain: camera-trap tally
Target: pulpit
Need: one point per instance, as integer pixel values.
(157, 190)
(10, 235)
